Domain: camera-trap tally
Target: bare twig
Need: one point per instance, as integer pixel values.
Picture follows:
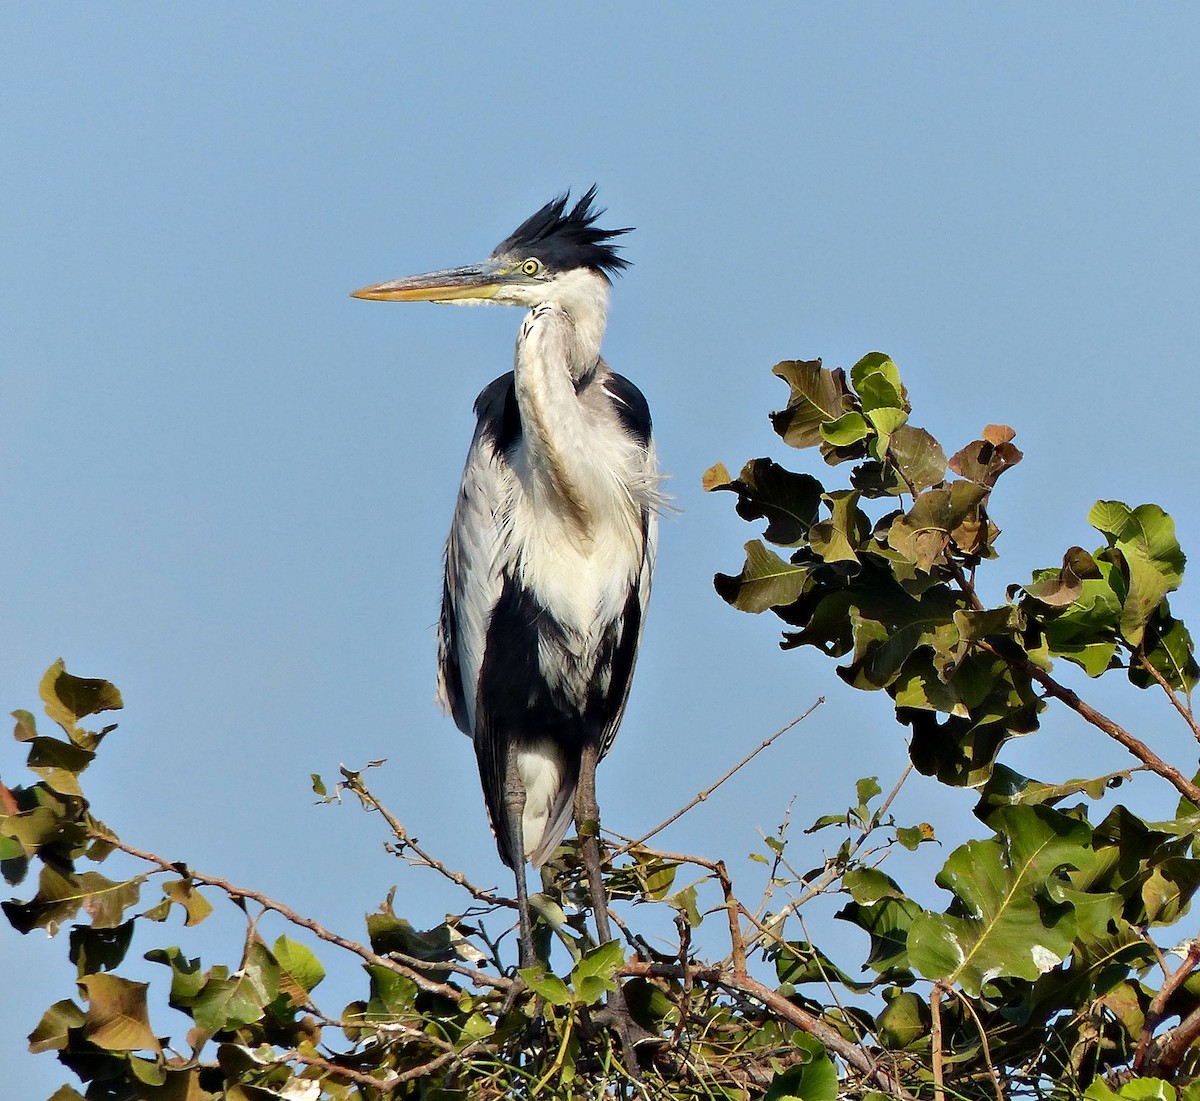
(635, 940)
(777, 856)
(353, 782)
(384, 1085)
(390, 1024)
(834, 870)
(1102, 722)
(1185, 712)
(701, 796)
(935, 1040)
(433, 1064)
(993, 1073)
(737, 943)
(1085, 710)
(314, 927)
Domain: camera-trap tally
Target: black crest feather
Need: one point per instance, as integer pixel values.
(564, 239)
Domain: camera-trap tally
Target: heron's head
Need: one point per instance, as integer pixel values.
(555, 255)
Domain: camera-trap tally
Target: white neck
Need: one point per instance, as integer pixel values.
(583, 296)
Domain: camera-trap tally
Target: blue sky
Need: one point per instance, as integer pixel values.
(225, 484)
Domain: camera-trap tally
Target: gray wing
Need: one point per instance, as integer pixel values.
(634, 414)
(473, 583)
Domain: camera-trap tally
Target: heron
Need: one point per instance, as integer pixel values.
(549, 560)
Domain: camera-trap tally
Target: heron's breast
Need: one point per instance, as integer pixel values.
(581, 578)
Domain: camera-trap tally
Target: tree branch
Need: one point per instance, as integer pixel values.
(1185, 712)
(1175, 1043)
(1085, 710)
(1102, 722)
(1172, 981)
(314, 927)
(353, 782)
(935, 1040)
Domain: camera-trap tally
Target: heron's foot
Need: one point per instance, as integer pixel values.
(616, 1016)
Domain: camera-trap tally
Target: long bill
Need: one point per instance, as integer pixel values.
(479, 282)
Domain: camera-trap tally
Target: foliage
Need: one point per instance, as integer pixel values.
(1049, 972)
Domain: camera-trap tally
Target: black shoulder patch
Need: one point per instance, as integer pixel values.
(498, 412)
(632, 408)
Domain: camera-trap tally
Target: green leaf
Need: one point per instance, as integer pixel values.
(912, 837)
(117, 1018)
(106, 900)
(1167, 646)
(595, 974)
(1144, 538)
(389, 933)
(1009, 788)
(59, 763)
(913, 461)
(1005, 921)
(227, 1001)
(817, 397)
(887, 920)
(797, 962)
(392, 994)
(546, 984)
(68, 699)
(26, 728)
(58, 899)
(92, 949)
(1167, 892)
(867, 789)
(186, 978)
(848, 429)
(838, 538)
(814, 1080)
(685, 902)
(877, 380)
(904, 1021)
(45, 825)
(885, 421)
(766, 581)
(301, 971)
(1139, 1089)
(917, 456)
(66, 1093)
(1064, 586)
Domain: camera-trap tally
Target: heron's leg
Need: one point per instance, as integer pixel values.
(587, 822)
(514, 802)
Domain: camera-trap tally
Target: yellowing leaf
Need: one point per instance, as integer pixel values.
(117, 1018)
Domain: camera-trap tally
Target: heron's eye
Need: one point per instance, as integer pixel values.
(531, 267)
